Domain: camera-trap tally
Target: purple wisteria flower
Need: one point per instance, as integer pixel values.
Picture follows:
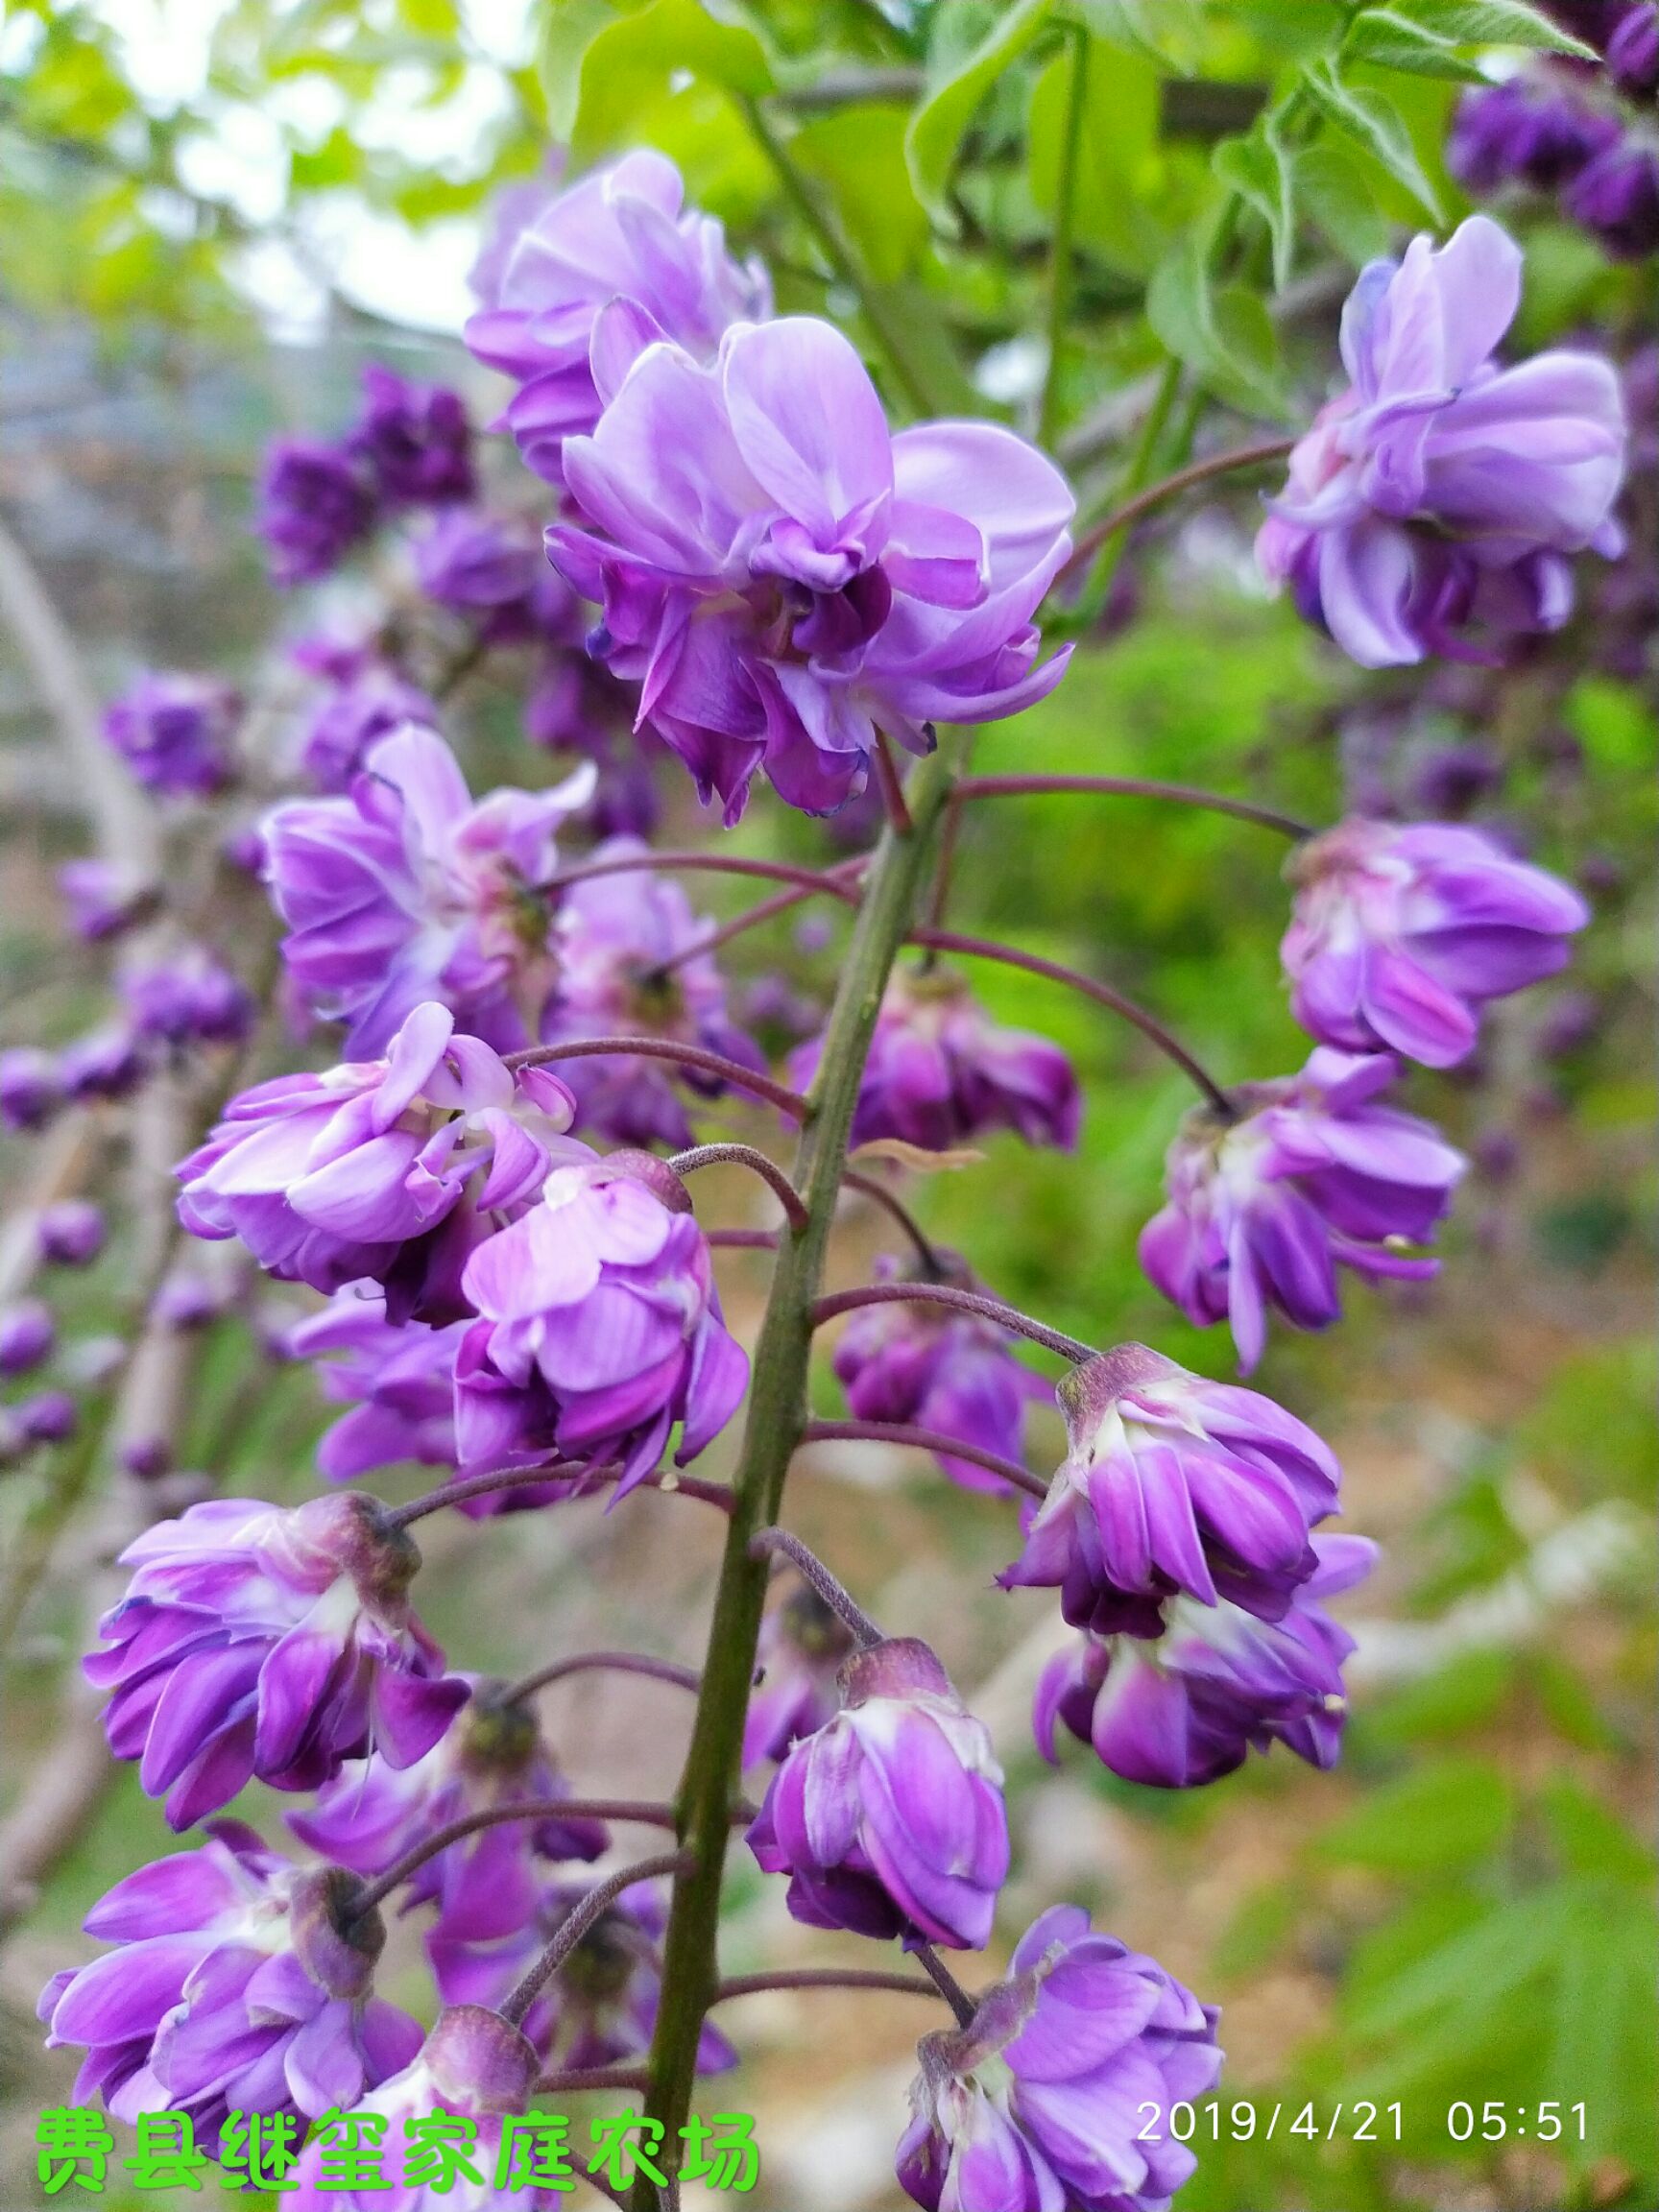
(107, 1063)
(1401, 934)
(1040, 2104)
(241, 1983)
(1217, 1683)
(1174, 1484)
(399, 1383)
(1540, 134)
(927, 1367)
(1617, 198)
(889, 1819)
(330, 1178)
(620, 233)
(70, 1232)
(803, 1646)
(940, 1072)
(46, 1417)
(316, 502)
(372, 702)
(1633, 51)
(492, 1754)
(1434, 506)
(627, 965)
(599, 1327)
(28, 1332)
(31, 1090)
(406, 889)
(491, 569)
(1312, 1174)
(104, 900)
(188, 999)
(175, 731)
(784, 577)
(258, 1641)
(416, 439)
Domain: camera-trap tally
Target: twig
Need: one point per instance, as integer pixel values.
(606, 1662)
(823, 1977)
(576, 1924)
(947, 1984)
(813, 1570)
(871, 1187)
(730, 1071)
(963, 1300)
(627, 1809)
(1182, 480)
(1129, 787)
(747, 1156)
(925, 1440)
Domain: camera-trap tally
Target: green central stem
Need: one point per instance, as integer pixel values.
(778, 1413)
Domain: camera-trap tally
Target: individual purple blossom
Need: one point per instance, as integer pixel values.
(1400, 936)
(28, 1332)
(400, 1384)
(1540, 134)
(175, 732)
(316, 502)
(187, 998)
(416, 439)
(1633, 51)
(599, 1328)
(107, 1063)
(1174, 1484)
(370, 703)
(940, 1073)
(406, 889)
(31, 1091)
(1435, 505)
(802, 1645)
(1617, 198)
(628, 966)
(620, 233)
(241, 1983)
(330, 1178)
(189, 1300)
(71, 1232)
(1312, 1174)
(1219, 1682)
(257, 1641)
(1041, 2103)
(889, 1819)
(48, 1417)
(103, 900)
(784, 577)
(491, 569)
(927, 1367)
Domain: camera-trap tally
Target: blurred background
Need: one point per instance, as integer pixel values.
(212, 218)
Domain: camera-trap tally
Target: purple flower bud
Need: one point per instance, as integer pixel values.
(258, 1641)
(189, 1301)
(1401, 936)
(70, 1234)
(240, 1982)
(175, 732)
(1633, 51)
(146, 1459)
(406, 890)
(1313, 1174)
(416, 439)
(487, 567)
(330, 1178)
(620, 235)
(940, 1073)
(49, 1417)
(783, 576)
(1434, 504)
(927, 1367)
(600, 1328)
(1540, 133)
(188, 1000)
(1217, 1683)
(371, 704)
(28, 1332)
(889, 1819)
(804, 1643)
(1174, 1484)
(102, 898)
(30, 1090)
(1043, 2100)
(1452, 779)
(1618, 198)
(316, 502)
(106, 1063)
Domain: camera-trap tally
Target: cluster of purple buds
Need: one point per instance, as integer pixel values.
(190, 998)
(174, 732)
(1544, 133)
(416, 439)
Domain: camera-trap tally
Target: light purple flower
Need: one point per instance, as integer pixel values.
(189, 997)
(406, 889)
(316, 502)
(492, 569)
(48, 1417)
(1401, 934)
(600, 1327)
(1174, 1484)
(370, 703)
(1633, 51)
(28, 1332)
(927, 1367)
(620, 233)
(1434, 506)
(254, 1642)
(611, 937)
(71, 1232)
(104, 1064)
(940, 1072)
(399, 1383)
(415, 438)
(328, 1178)
(103, 900)
(798, 1662)
(1039, 2105)
(240, 1984)
(173, 731)
(31, 1091)
(1617, 197)
(1312, 1175)
(1219, 1682)
(784, 577)
(889, 1819)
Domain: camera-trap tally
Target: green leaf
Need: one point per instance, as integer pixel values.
(1257, 167)
(1224, 333)
(568, 27)
(638, 58)
(1333, 192)
(1495, 23)
(1393, 41)
(1122, 175)
(1372, 121)
(1591, 1839)
(857, 155)
(1169, 30)
(937, 127)
(1450, 1813)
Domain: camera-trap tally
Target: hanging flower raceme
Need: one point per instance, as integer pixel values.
(1174, 1484)
(174, 732)
(415, 439)
(784, 577)
(628, 966)
(242, 1983)
(1540, 134)
(889, 1819)
(621, 233)
(379, 1168)
(1042, 2102)
(1312, 1174)
(1219, 1682)
(316, 502)
(803, 1646)
(1401, 936)
(255, 1642)
(927, 1367)
(940, 1072)
(1433, 507)
(599, 1328)
(406, 889)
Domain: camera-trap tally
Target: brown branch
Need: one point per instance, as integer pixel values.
(924, 1440)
